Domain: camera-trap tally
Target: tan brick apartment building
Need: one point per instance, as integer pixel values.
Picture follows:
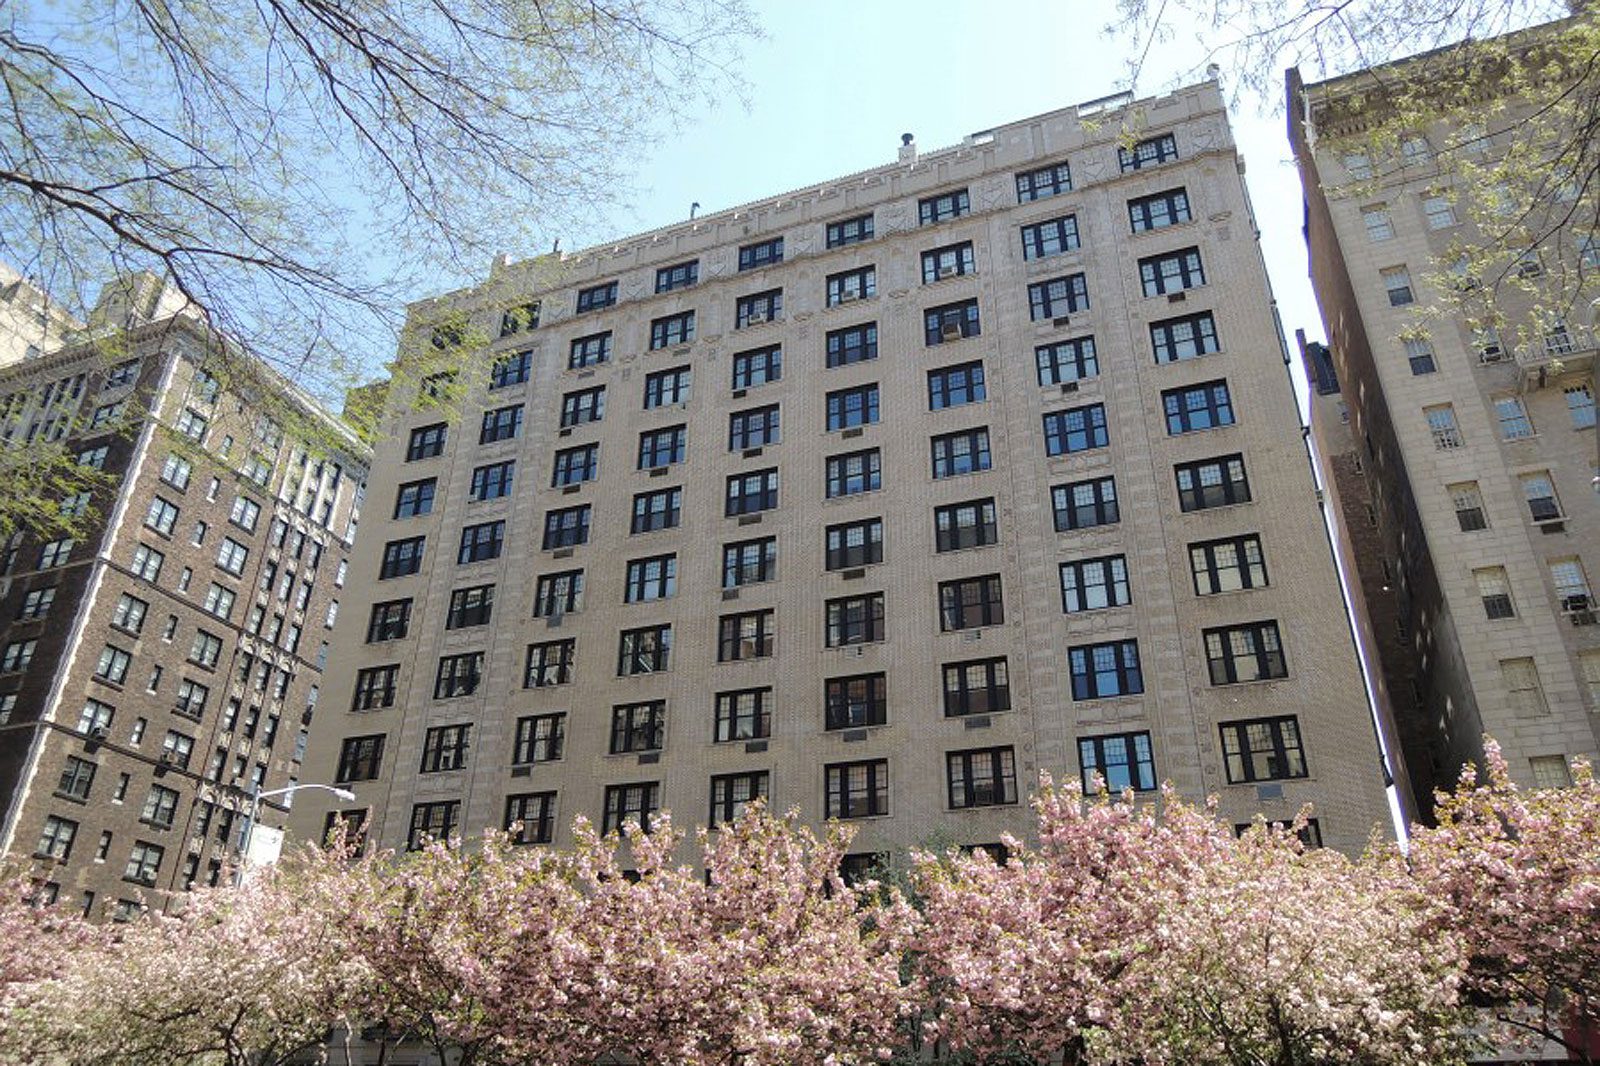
(153, 671)
(876, 498)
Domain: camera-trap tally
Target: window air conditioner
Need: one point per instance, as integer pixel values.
(948, 271)
(950, 331)
(755, 318)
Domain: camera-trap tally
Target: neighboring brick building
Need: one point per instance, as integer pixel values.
(876, 498)
(155, 669)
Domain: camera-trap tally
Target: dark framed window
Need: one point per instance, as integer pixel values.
(445, 748)
(531, 817)
(854, 544)
(731, 794)
(981, 777)
(1058, 297)
(853, 407)
(856, 701)
(758, 308)
(1207, 405)
(670, 330)
(751, 493)
(656, 510)
(589, 351)
(549, 663)
(647, 650)
(966, 452)
(1227, 565)
(953, 386)
(754, 428)
(970, 524)
(458, 675)
(857, 789)
(502, 423)
(854, 472)
(401, 557)
(1263, 749)
(743, 715)
(662, 447)
(762, 254)
(566, 527)
(746, 635)
(849, 231)
(854, 620)
(858, 284)
(1171, 272)
(492, 481)
(1250, 652)
(597, 296)
(540, 738)
(749, 562)
(677, 276)
(759, 366)
(360, 759)
(1069, 360)
(978, 686)
(1076, 429)
(573, 466)
(414, 498)
(375, 687)
(160, 805)
(470, 607)
(953, 260)
(1159, 210)
(1212, 483)
(853, 344)
(426, 442)
(638, 727)
(1123, 761)
(509, 370)
(520, 319)
(432, 822)
(944, 207)
(654, 578)
(1148, 153)
(557, 594)
(1102, 670)
(951, 322)
(1188, 337)
(1044, 182)
(971, 603)
(666, 386)
(1055, 236)
(584, 405)
(631, 804)
(1094, 584)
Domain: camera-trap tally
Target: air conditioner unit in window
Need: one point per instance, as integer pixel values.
(755, 318)
(1491, 355)
(950, 331)
(949, 271)
(849, 297)
(168, 758)
(1580, 602)
(99, 732)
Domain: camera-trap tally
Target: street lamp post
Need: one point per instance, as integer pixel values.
(343, 795)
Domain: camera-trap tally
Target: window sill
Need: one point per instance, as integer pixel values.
(81, 801)
(982, 807)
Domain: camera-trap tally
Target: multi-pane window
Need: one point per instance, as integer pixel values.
(470, 607)
(755, 428)
(57, 552)
(445, 748)
(573, 466)
(752, 492)
(662, 447)
(161, 516)
(1055, 236)
(763, 254)
(759, 366)
(677, 276)
(77, 776)
(854, 544)
(953, 386)
(1263, 749)
(375, 687)
(656, 510)
(951, 322)
(415, 498)
(852, 407)
(1204, 406)
(1523, 687)
(113, 664)
(857, 789)
(948, 262)
(647, 650)
(856, 701)
(1102, 670)
(589, 351)
(219, 601)
(1512, 415)
(638, 727)
(19, 653)
(176, 471)
(1494, 590)
(1437, 211)
(758, 308)
(160, 807)
(1084, 504)
(1550, 771)
(390, 621)
(1212, 483)
(942, 208)
(176, 748)
(1094, 584)
(1540, 492)
(401, 557)
(36, 604)
(1076, 429)
(520, 319)
(1252, 652)
(1148, 153)
(1442, 426)
(1175, 339)
(1580, 405)
(655, 578)
(435, 822)
(849, 231)
(481, 542)
(743, 715)
(1379, 224)
(245, 513)
(193, 424)
(732, 794)
(982, 777)
(510, 370)
(854, 620)
(747, 635)
(144, 863)
(1159, 210)
(146, 560)
(56, 840)
(129, 613)
(1227, 565)
(96, 717)
(540, 738)
(1121, 760)
(853, 344)
(858, 284)
(1069, 360)
(970, 524)
(1397, 284)
(549, 663)
(1572, 585)
(980, 686)
(1467, 501)
(360, 759)
(595, 297)
(1171, 272)
(971, 603)
(458, 675)
(557, 594)
(577, 408)
(630, 805)
(492, 481)
(531, 817)
(854, 472)
(955, 454)
(1058, 297)
(749, 562)
(1419, 356)
(667, 387)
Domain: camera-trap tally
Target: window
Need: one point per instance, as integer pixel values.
(1198, 407)
(1397, 283)
(520, 319)
(1040, 240)
(414, 498)
(540, 738)
(854, 544)
(1572, 587)
(589, 351)
(1589, 661)
(981, 686)
(1437, 211)
(160, 807)
(662, 447)
(760, 366)
(1148, 153)
(480, 542)
(655, 578)
(853, 407)
(1468, 504)
(1494, 589)
(597, 296)
(1212, 483)
(458, 675)
(124, 373)
(1084, 504)
(970, 603)
(510, 370)
(950, 261)
(1171, 272)
(679, 276)
(56, 840)
(644, 651)
(401, 557)
(1513, 418)
(505, 423)
(731, 794)
(955, 454)
(950, 322)
(982, 777)
(1419, 354)
(95, 458)
(470, 607)
(434, 822)
(19, 653)
(630, 804)
(549, 663)
(96, 717)
(755, 428)
(1044, 182)
(749, 562)
(161, 516)
(113, 664)
(750, 493)
(857, 789)
(1550, 771)
(1263, 749)
(206, 649)
(1094, 584)
(1159, 211)
(971, 524)
(638, 727)
(671, 330)
(1540, 493)
(144, 863)
(1176, 339)
(850, 285)
(389, 621)
(1102, 670)
(853, 344)
(193, 424)
(245, 513)
(176, 471)
(855, 702)
(1077, 429)
(129, 613)
(1063, 361)
(176, 748)
(1580, 405)
(1380, 227)
(1227, 565)
(57, 552)
(36, 603)
(1122, 760)
(1253, 652)
(854, 472)
(747, 635)
(849, 231)
(955, 385)
(656, 510)
(1057, 297)
(556, 594)
(854, 620)
(444, 748)
(666, 387)
(1526, 693)
(77, 775)
(943, 208)
(492, 481)
(1442, 425)
(574, 466)
(219, 601)
(531, 817)
(764, 254)
(758, 308)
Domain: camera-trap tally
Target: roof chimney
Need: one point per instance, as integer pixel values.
(908, 148)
